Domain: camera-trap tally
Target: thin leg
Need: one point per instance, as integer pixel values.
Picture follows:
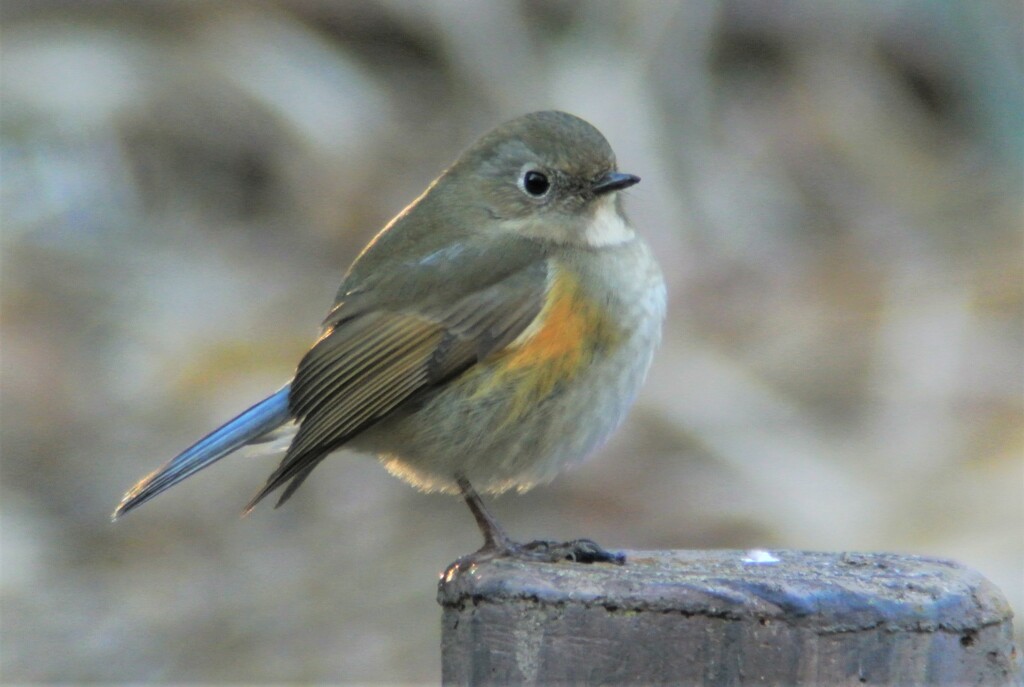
(495, 538)
(498, 544)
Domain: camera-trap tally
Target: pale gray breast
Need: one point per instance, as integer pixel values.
(629, 281)
(461, 432)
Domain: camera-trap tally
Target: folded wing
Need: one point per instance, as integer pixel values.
(364, 367)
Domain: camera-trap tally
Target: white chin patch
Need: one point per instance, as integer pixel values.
(608, 228)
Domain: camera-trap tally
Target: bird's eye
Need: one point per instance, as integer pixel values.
(535, 183)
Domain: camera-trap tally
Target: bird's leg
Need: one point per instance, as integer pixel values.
(498, 544)
(495, 539)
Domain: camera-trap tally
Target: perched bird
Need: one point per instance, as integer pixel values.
(492, 334)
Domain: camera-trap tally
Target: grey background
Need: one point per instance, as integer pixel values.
(833, 189)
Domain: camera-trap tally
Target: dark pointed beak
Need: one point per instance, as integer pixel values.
(614, 181)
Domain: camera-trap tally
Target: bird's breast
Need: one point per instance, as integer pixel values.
(559, 346)
(526, 411)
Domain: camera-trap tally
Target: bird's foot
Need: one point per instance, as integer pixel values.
(575, 551)
(497, 544)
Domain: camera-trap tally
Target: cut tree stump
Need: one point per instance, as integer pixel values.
(726, 618)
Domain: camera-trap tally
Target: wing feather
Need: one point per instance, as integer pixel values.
(346, 367)
(367, 365)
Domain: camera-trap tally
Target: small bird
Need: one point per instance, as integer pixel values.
(493, 333)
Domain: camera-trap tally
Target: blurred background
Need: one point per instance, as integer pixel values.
(834, 190)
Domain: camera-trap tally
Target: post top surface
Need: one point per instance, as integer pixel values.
(841, 591)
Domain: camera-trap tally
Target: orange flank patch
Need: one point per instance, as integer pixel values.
(565, 325)
(555, 348)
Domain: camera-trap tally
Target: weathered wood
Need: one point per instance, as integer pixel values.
(726, 618)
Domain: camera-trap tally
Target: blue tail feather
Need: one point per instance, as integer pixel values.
(265, 416)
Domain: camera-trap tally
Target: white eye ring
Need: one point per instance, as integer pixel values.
(534, 182)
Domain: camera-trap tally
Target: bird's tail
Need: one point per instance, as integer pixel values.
(264, 417)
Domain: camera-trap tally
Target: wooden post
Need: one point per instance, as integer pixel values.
(726, 618)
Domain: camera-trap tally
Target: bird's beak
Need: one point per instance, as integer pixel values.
(613, 181)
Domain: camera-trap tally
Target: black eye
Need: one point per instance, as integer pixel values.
(535, 183)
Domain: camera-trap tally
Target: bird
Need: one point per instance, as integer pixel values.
(492, 334)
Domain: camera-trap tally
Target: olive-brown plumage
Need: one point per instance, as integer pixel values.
(494, 332)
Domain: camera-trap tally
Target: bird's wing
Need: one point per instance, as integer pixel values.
(366, 365)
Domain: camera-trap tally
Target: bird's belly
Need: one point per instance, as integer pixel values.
(504, 430)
